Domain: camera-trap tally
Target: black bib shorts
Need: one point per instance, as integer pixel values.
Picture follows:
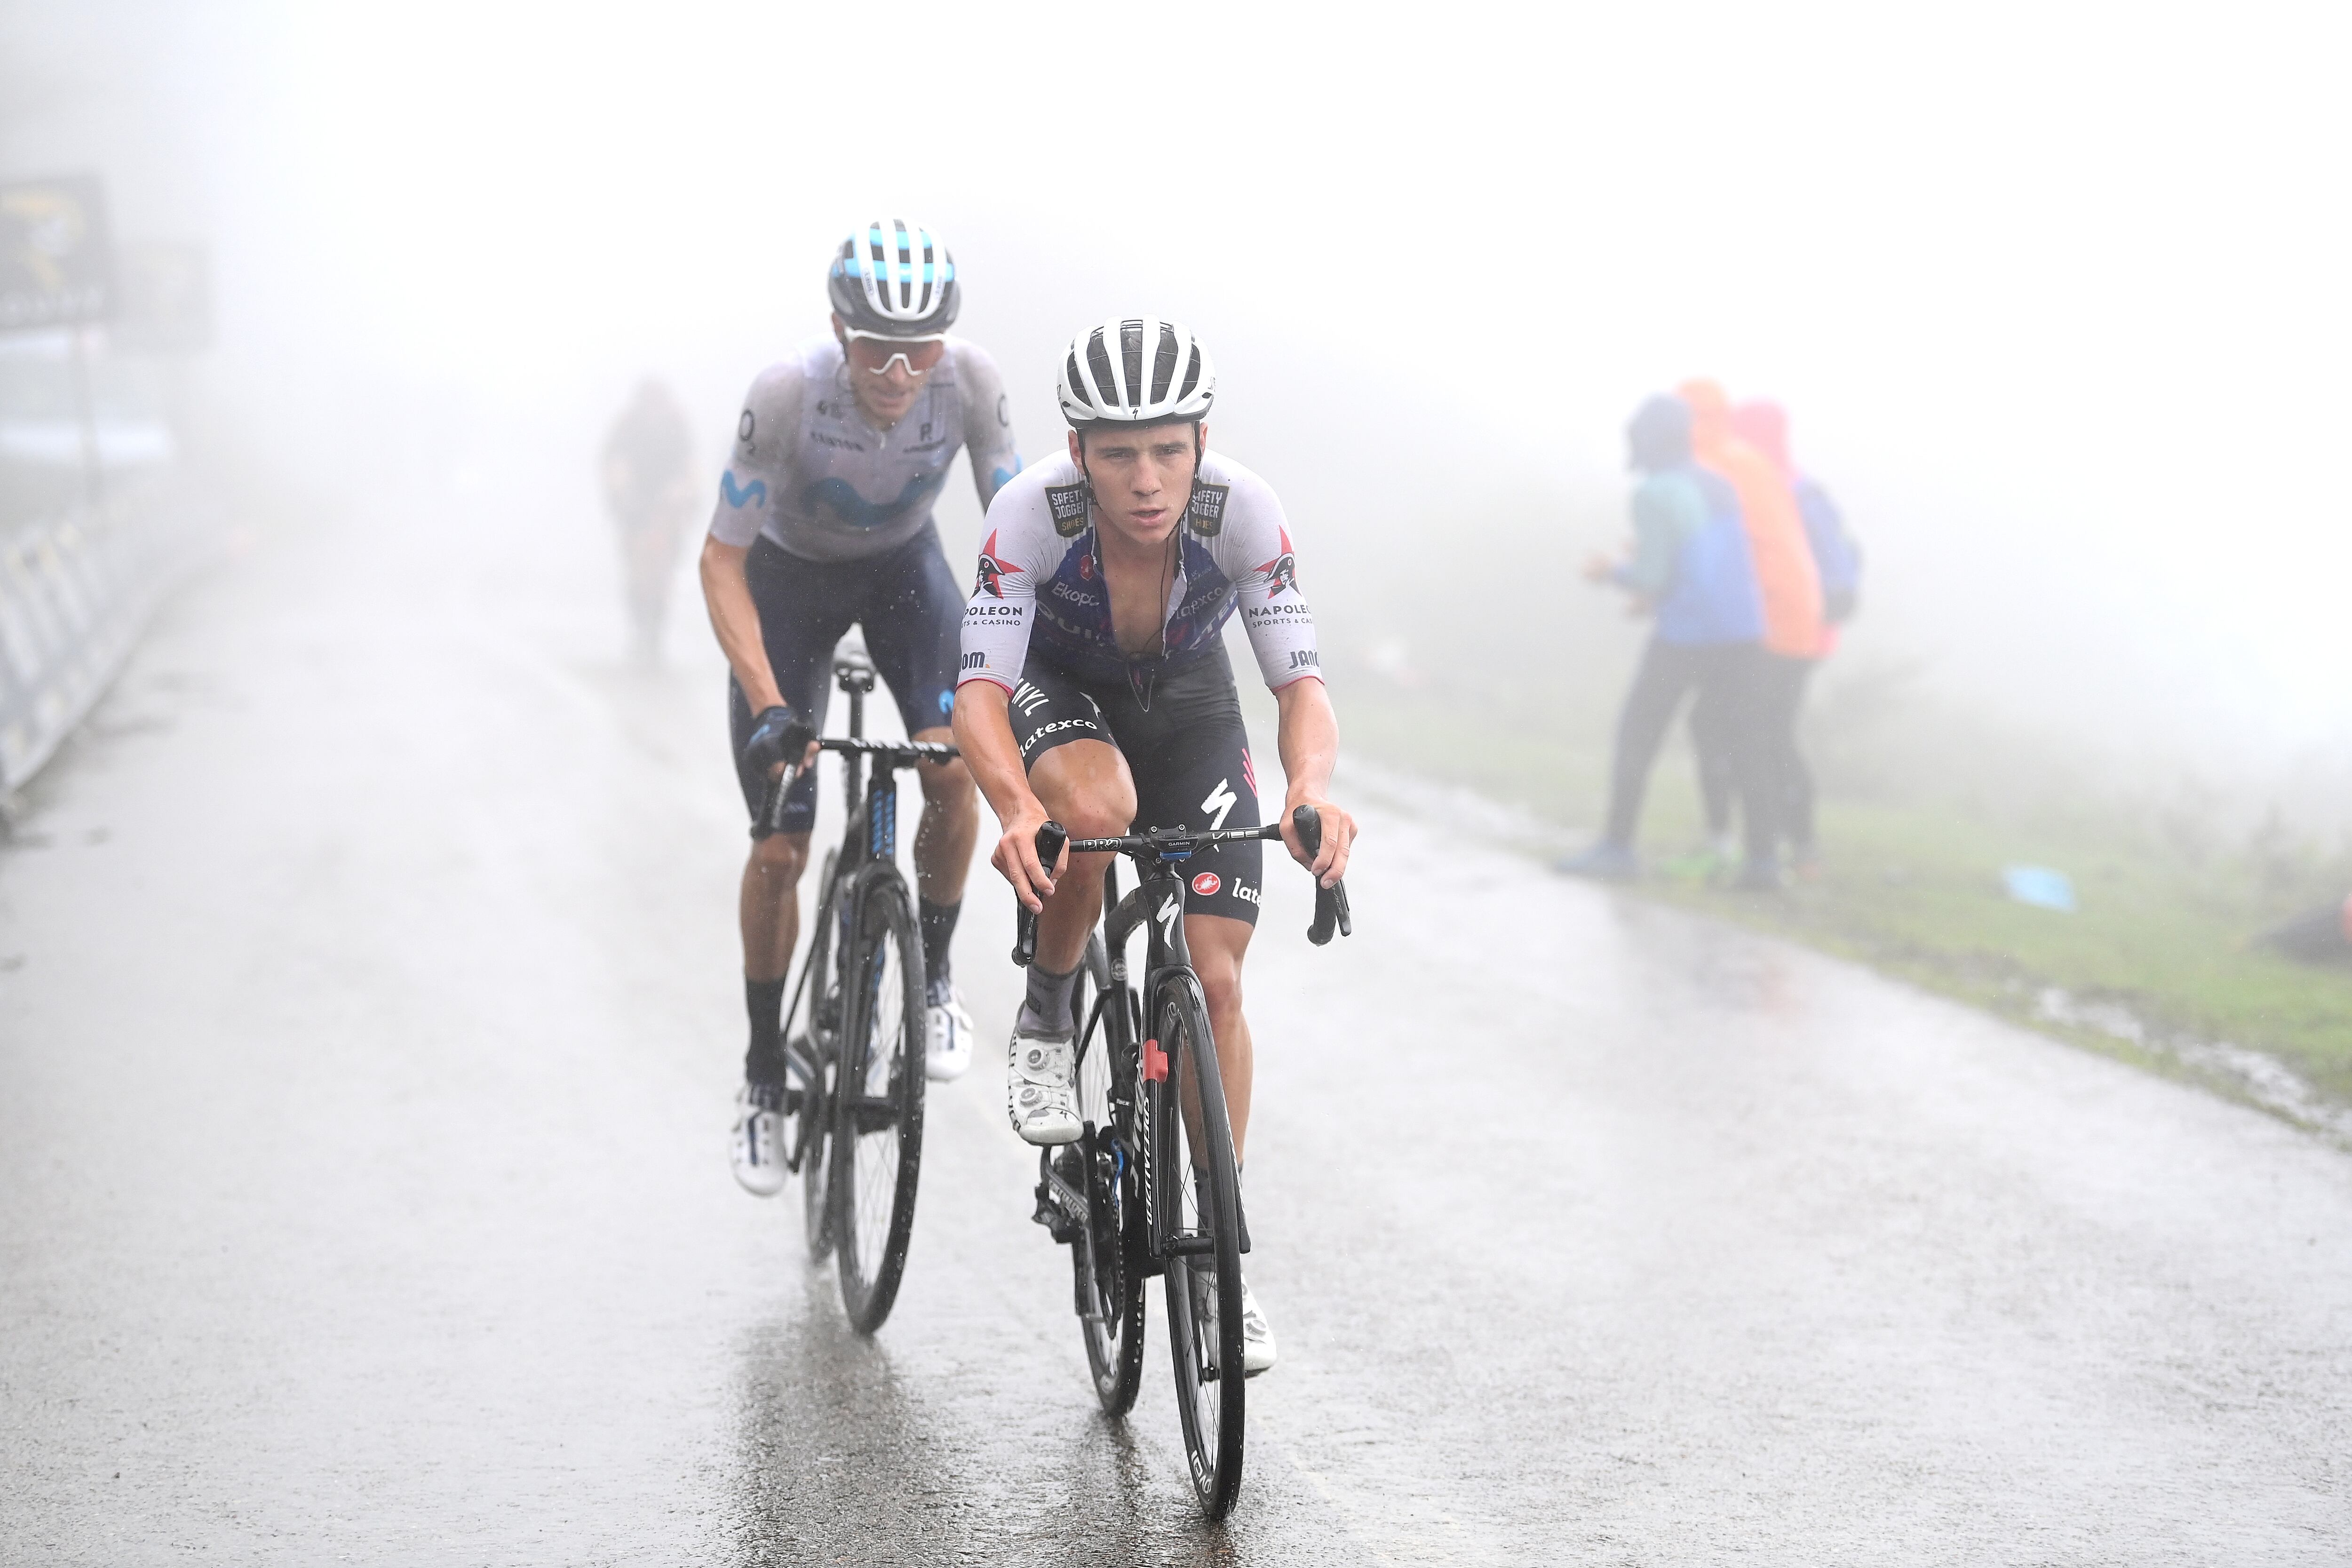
(1181, 730)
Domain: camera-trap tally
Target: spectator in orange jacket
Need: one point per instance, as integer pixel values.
(1794, 633)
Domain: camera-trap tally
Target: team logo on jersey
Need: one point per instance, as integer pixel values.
(754, 494)
(1068, 504)
(1283, 570)
(1208, 511)
(993, 570)
(1206, 884)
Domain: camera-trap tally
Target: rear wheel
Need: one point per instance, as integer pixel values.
(1103, 1260)
(813, 1026)
(1198, 1195)
(878, 1128)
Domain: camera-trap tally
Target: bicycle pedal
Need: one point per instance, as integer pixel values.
(1061, 1226)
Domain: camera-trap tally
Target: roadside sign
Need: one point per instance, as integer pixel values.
(57, 260)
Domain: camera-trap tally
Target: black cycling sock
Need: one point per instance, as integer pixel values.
(764, 1062)
(939, 923)
(1047, 1009)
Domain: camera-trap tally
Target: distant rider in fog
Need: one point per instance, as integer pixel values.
(648, 471)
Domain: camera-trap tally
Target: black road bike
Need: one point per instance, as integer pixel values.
(853, 1030)
(1151, 1186)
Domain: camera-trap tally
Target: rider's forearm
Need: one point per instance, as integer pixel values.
(983, 732)
(736, 619)
(1310, 739)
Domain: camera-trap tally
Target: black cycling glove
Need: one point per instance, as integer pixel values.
(779, 735)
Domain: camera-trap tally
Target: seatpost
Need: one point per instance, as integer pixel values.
(1050, 839)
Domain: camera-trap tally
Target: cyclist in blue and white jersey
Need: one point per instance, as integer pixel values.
(824, 522)
(1095, 693)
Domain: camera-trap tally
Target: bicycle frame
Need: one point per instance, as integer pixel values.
(1157, 904)
(871, 831)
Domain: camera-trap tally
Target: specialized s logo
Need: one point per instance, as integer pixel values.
(1283, 570)
(754, 494)
(1208, 509)
(1221, 800)
(993, 570)
(1068, 504)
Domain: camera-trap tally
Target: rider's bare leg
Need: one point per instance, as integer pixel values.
(950, 825)
(1218, 944)
(1085, 787)
(769, 905)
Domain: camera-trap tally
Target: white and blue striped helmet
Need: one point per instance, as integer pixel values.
(893, 278)
(1137, 370)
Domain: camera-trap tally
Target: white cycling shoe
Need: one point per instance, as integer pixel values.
(757, 1144)
(1257, 1335)
(948, 1051)
(1039, 1095)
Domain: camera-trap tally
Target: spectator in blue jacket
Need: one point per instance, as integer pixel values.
(1691, 570)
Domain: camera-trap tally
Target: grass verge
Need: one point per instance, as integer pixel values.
(2159, 965)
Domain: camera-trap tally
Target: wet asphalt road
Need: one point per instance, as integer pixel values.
(367, 1025)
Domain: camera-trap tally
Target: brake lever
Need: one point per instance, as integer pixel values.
(770, 818)
(1332, 902)
(1050, 839)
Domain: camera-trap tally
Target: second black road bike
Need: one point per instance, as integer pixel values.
(1151, 1186)
(853, 1028)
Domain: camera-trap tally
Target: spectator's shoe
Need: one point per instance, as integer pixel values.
(757, 1142)
(948, 1051)
(1604, 862)
(1759, 876)
(1039, 1098)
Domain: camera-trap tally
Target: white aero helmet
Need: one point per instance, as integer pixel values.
(894, 279)
(1139, 371)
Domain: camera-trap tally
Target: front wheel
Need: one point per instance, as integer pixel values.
(1103, 1260)
(812, 1026)
(878, 1126)
(1197, 1199)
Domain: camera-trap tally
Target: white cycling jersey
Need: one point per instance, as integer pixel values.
(1041, 580)
(809, 472)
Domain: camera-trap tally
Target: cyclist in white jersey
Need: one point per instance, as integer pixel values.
(1095, 692)
(824, 522)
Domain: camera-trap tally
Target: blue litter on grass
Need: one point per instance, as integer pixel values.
(2041, 887)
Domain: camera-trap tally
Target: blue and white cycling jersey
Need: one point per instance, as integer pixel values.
(809, 472)
(1041, 582)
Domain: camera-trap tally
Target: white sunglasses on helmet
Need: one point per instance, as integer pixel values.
(876, 352)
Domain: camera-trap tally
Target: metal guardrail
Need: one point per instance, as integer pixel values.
(75, 594)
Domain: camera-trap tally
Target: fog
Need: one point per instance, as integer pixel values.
(2054, 294)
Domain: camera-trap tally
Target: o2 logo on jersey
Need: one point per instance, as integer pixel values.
(1206, 884)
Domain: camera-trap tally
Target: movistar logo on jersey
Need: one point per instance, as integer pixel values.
(754, 494)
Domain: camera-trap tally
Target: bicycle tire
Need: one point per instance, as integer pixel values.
(811, 1149)
(1200, 1203)
(878, 1138)
(1105, 1264)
